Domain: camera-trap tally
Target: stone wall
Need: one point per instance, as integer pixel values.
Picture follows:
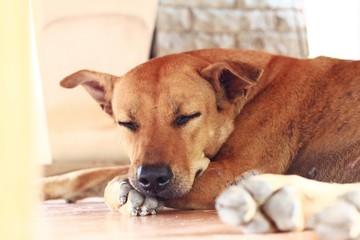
(275, 26)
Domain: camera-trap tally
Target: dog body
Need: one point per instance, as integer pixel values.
(195, 121)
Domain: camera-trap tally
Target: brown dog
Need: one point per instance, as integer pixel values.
(195, 121)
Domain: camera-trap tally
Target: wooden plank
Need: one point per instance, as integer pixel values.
(90, 219)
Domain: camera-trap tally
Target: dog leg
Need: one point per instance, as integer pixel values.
(268, 203)
(78, 184)
(121, 197)
(110, 182)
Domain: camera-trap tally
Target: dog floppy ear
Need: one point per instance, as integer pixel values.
(231, 79)
(99, 86)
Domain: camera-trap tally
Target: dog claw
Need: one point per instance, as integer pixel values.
(122, 200)
(125, 188)
(134, 212)
(146, 211)
(143, 211)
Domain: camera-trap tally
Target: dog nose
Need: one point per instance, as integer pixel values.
(154, 178)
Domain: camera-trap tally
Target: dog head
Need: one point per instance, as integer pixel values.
(174, 114)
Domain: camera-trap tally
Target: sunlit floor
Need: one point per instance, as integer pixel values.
(90, 219)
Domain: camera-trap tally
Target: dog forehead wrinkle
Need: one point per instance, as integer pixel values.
(185, 108)
(175, 108)
(188, 95)
(136, 98)
(125, 107)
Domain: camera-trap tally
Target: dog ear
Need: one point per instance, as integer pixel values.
(99, 86)
(231, 79)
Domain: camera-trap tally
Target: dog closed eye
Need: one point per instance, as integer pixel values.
(132, 126)
(184, 119)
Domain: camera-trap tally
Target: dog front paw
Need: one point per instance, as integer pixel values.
(261, 206)
(120, 196)
(270, 203)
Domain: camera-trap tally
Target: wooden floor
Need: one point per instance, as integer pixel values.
(90, 219)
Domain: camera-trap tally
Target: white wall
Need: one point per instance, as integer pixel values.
(333, 28)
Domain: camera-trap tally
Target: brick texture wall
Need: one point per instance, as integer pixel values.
(275, 26)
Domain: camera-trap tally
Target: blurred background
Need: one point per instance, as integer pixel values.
(43, 41)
